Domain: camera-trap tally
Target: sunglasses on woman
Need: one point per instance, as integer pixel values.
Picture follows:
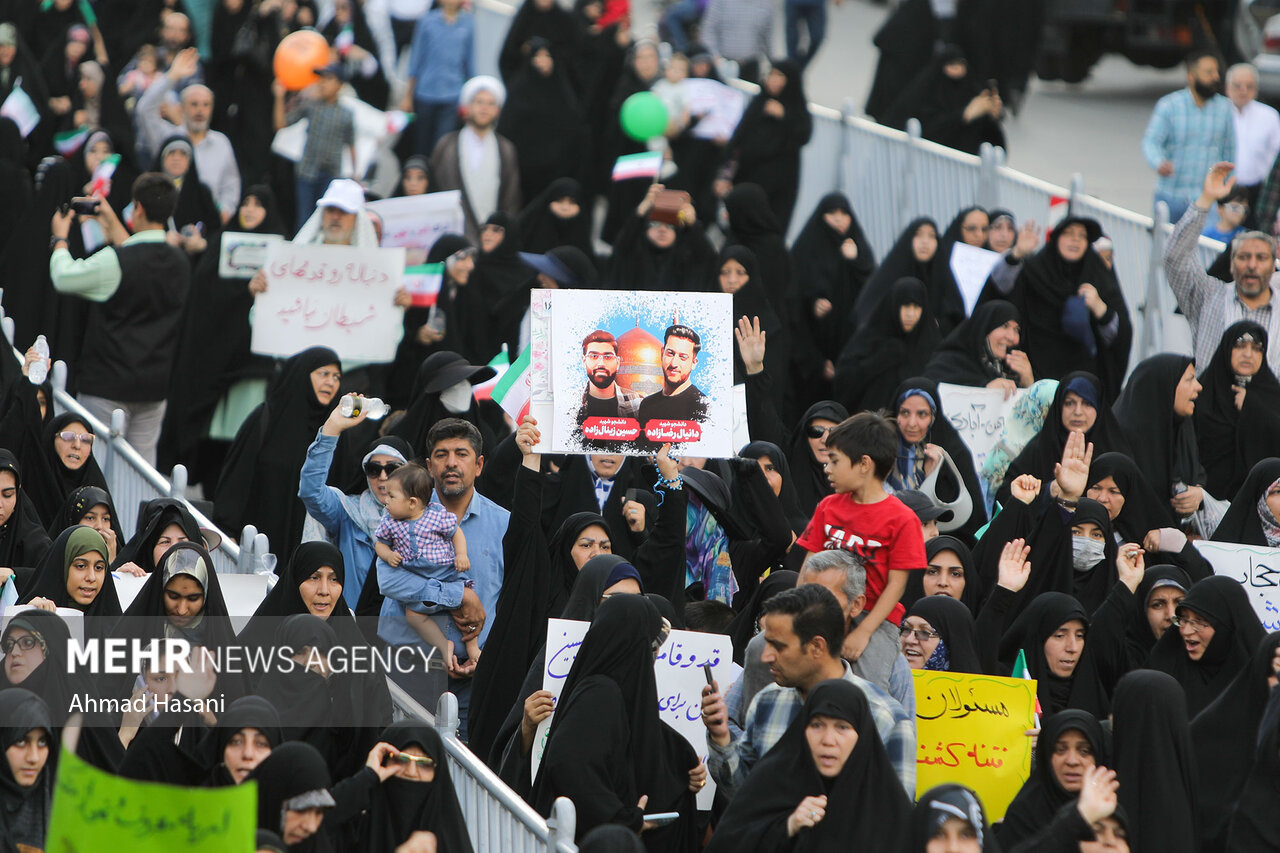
(374, 469)
(420, 760)
(815, 431)
(69, 436)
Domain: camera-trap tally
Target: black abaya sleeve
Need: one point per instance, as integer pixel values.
(762, 413)
(594, 773)
(993, 620)
(498, 478)
(520, 623)
(1063, 835)
(1108, 636)
(351, 797)
(660, 559)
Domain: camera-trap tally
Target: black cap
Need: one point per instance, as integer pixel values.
(923, 506)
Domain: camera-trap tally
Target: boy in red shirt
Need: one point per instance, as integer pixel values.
(863, 518)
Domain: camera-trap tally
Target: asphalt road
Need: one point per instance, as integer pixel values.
(1093, 128)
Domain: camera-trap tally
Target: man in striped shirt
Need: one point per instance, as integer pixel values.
(1209, 304)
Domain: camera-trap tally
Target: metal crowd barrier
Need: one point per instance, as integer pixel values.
(894, 176)
(498, 819)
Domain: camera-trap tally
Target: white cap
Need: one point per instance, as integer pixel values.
(483, 83)
(344, 194)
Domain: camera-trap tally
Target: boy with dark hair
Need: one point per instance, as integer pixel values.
(419, 534)
(863, 518)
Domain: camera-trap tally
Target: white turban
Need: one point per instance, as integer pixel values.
(483, 83)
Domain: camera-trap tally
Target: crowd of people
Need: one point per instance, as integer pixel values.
(853, 541)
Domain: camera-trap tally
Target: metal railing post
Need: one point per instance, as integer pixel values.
(178, 482)
(562, 825)
(907, 207)
(1077, 191)
(261, 550)
(58, 376)
(246, 563)
(988, 192)
(1152, 305)
(848, 108)
(447, 716)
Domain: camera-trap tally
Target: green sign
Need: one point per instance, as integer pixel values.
(94, 811)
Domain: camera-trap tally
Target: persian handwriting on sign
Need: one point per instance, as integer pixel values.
(673, 654)
(949, 701)
(978, 415)
(304, 269)
(953, 754)
(1255, 568)
(971, 729)
(93, 810)
(336, 296)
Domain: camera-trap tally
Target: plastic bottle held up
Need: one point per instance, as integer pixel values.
(354, 404)
(39, 370)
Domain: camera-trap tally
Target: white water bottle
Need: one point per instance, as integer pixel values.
(354, 404)
(39, 370)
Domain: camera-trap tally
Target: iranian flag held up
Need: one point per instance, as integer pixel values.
(512, 390)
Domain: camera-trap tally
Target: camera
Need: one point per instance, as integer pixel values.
(85, 206)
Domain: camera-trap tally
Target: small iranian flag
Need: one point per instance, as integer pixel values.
(100, 185)
(500, 363)
(1020, 671)
(512, 391)
(69, 142)
(643, 165)
(423, 284)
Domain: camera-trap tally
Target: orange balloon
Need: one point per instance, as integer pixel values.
(298, 57)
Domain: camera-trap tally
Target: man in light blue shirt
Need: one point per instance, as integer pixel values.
(441, 59)
(1189, 131)
(454, 457)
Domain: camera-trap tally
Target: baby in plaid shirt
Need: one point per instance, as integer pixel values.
(420, 535)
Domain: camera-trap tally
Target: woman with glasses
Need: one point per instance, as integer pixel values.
(418, 796)
(63, 463)
(938, 634)
(1237, 414)
(350, 517)
(34, 645)
(259, 480)
(1215, 633)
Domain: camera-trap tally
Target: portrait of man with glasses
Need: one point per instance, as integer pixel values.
(604, 397)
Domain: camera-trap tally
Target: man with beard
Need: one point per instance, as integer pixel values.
(680, 399)
(604, 397)
(476, 160)
(1211, 305)
(218, 169)
(1189, 131)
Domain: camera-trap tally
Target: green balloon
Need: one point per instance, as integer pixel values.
(643, 116)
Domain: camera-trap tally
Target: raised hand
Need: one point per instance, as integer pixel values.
(1025, 488)
(1013, 567)
(1130, 565)
(751, 343)
(1072, 473)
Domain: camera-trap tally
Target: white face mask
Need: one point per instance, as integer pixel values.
(1086, 553)
(457, 398)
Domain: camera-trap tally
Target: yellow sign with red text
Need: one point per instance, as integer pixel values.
(972, 730)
